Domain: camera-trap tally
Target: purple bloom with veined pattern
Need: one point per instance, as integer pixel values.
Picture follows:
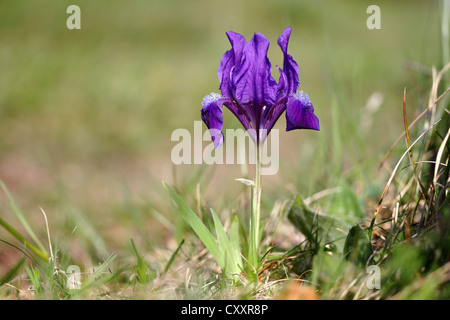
(251, 93)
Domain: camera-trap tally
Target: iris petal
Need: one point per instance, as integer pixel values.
(229, 60)
(282, 83)
(213, 118)
(254, 85)
(300, 113)
(290, 67)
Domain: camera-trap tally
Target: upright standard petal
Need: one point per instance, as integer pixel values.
(252, 79)
(230, 60)
(300, 113)
(290, 67)
(212, 117)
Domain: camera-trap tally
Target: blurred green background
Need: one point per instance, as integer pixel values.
(86, 115)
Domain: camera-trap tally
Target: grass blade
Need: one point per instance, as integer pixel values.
(35, 278)
(41, 254)
(408, 145)
(97, 273)
(21, 217)
(142, 269)
(431, 104)
(198, 226)
(394, 173)
(11, 273)
(172, 257)
(438, 158)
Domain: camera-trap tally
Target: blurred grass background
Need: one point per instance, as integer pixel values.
(86, 115)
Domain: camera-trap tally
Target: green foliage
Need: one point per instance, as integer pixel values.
(12, 272)
(97, 276)
(229, 245)
(144, 273)
(37, 248)
(345, 205)
(358, 247)
(319, 229)
(225, 250)
(198, 226)
(35, 279)
(402, 270)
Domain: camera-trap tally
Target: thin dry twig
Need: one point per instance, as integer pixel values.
(432, 102)
(395, 171)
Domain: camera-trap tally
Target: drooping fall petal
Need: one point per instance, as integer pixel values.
(213, 118)
(300, 113)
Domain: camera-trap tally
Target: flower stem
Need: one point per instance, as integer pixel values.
(255, 216)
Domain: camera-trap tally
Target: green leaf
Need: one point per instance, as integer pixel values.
(224, 243)
(345, 205)
(357, 247)
(231, 256)
(317, 227)
(145, 274)
(234, 241)
(198, 226)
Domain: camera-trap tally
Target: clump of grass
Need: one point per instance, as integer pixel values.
(42, 268)
(407, 235)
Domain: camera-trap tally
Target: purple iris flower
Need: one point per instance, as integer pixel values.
(251, 93)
